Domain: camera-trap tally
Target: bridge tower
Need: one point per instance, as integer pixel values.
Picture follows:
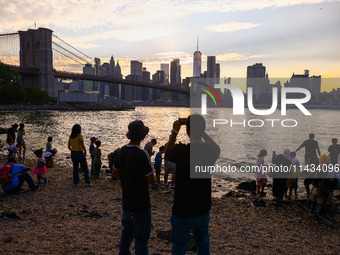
(36, 52)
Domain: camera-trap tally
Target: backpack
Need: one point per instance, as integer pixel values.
(5, 174)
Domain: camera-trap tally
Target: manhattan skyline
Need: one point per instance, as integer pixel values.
(286, 37)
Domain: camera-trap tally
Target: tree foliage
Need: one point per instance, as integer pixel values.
(12, 91)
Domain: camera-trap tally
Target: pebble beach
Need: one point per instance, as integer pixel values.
(61, 219)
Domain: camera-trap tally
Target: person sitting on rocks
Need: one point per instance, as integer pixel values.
(20, 176)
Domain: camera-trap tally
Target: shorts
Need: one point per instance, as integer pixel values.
(158, 170)
(19, 140)
(169, 167)
(261, 182)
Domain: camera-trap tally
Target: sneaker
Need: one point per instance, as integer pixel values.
(88, 185)
(46, 180)
(11, 216)
(172, 188)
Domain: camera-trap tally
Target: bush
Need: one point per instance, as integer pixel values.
(12, 91)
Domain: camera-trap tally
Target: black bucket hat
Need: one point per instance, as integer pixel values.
(137, 130)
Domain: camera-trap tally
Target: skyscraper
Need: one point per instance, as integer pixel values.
(211, 67)
(197, 62)
(112, 63)
(256, 75)
(136, 68)
(88, 85)
(175, 73)
(117, 70)
(218, 71)
(96, 72)
(165, 68)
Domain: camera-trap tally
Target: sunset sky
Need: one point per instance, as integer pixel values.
(286, 36)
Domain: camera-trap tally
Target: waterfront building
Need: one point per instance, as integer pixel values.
(218, 71)
(175, 73)
(211, 67)
(88, 85)
(197, 62)
(256, 75)
(165, 68)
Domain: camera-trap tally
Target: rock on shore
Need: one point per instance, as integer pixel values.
(61, 219)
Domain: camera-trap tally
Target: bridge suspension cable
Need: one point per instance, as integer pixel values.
(67, 56)
(58, 45)
(9, 48)
(72, 47)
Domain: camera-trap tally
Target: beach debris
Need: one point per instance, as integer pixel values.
(94, 214)
(248, 185)
(167, 235)
(259, 203)
(8, 239)
(84, 206)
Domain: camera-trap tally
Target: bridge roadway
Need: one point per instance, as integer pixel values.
(80, 76)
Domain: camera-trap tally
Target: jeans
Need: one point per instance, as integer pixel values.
(279, 187)
(22, 178)
(92, 167)
(97, 168)
(181, 232)
(135, 225)
(78, 157)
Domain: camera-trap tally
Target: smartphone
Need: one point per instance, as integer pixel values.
(183, 121)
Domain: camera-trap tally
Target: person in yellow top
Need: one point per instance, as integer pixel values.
(78, 155)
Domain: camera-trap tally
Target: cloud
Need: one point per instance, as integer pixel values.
(236, 56)
(231, 26)
(125, 20)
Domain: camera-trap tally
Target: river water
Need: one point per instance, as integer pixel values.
(239, 145)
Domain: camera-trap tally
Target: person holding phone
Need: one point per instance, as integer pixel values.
(192, 198)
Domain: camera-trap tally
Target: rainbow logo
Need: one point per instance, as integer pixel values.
(209, 93)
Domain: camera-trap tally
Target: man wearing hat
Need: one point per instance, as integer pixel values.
(136, 172)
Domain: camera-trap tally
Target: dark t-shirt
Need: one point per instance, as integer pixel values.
(10, 132)
(334, 150)
(311, 146)
(192, 196)
(134, 165)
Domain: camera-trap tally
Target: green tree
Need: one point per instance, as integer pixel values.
(12, 91)
(8, 76)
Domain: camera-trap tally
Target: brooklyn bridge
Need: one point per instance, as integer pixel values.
(35, 53)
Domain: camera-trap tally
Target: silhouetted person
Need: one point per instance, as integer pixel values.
(149, 147)
(311, 147)
(280, 178)
(192, 199)
(334, 151)
(11, 134)
(134, 168)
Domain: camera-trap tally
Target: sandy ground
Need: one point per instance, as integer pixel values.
(61, 219)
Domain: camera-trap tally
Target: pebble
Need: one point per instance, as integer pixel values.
(8, 239)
